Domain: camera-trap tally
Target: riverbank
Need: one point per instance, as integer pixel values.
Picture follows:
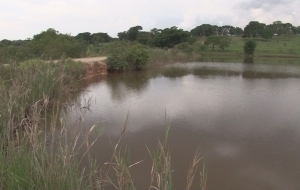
(42, 149)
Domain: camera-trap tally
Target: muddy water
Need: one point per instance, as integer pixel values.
(244, 118)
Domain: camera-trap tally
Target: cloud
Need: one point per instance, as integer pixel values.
(20, 19)
(266, 4)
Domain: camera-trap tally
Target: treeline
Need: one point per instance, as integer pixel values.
(51, 44)
(255, 29)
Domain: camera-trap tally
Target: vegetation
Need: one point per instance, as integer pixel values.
(51, 45)
(221, 41)
(127, 58)
(36, 154)
(249, 47)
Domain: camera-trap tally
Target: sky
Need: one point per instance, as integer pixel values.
(22, 19)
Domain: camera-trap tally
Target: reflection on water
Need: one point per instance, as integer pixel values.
(248, 59)
(244, 117)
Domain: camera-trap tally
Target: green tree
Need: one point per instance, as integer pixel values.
(220, 41)
(169, 37)
(203, 30)
(100, 37)
(86, 36)
(253, 29)
(122, 35)
(249, 47)
(267, 33)
(236, 31)
(133, 32)
(50, 44)
(143, 37)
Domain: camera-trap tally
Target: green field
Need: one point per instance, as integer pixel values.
(277, 46)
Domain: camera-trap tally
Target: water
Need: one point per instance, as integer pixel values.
(244, 118)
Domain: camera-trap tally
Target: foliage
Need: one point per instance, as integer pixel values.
(95, 38)
(51, 44)
(221, 41)
(204, 30)
(267, 33)
(253, 29)
(133, 58)
(122, 35)
(144, 37)
(137, 58)
(249, 47)
(116, 63)
(131, 34)
(169, 37)
(208, 30)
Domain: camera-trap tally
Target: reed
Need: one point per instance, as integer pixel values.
(42, 149)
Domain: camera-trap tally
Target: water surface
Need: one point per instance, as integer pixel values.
(243, 117)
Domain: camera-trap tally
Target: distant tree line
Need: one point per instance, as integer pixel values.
(255, 29)
(51, 44)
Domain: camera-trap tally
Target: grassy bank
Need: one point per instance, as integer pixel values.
(276, 46)
(277, 50)
(28, 91)
(37, 154)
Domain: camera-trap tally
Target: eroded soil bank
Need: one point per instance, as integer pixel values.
(94, 66)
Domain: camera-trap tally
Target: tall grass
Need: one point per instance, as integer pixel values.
(161, 56)
(37, 154)
(28, 90)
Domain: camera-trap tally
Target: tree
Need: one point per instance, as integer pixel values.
(100, 37)
(50, 44)
(249, 47)
(203, 30)
(295, 30)
(143, 37)
(267, 33)
(254, 29)
(220, 41)
(133, 32)
(122, 35)
(86, 36)
(278, 28)
(169, 37)
(236, 31)
(155, 32)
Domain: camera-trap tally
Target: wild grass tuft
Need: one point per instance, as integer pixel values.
(41, 149)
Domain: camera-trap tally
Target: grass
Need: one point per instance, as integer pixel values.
(275, 50)
(275, 47)
(36, 154)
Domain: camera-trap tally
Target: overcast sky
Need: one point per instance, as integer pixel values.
(21, 19)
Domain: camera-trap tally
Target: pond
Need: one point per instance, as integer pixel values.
(244, 119)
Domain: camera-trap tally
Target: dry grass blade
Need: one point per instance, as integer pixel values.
(192, 170)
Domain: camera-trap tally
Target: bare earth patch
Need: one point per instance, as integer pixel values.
(94, 66)
(90, 59)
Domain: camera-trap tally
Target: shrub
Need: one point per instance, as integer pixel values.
(249, 47)
(116, 63)
(185, 47)
(135, 58)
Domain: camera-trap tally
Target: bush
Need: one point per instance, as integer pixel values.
(185, 47)
(249, 47)
(116, 63)
(135, 58)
